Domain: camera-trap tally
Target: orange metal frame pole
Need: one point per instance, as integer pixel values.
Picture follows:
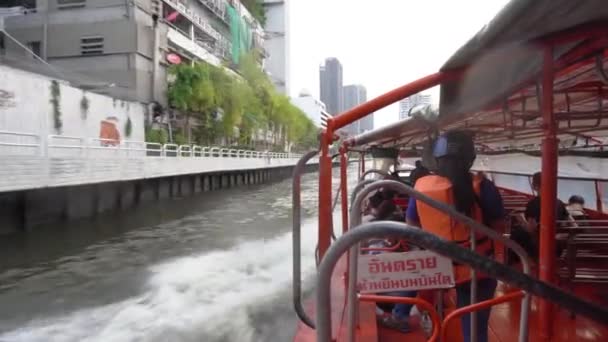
(391, 97)
(327, 138)
(548, 192)
(407, 300)
(325, 192)
(599, 204)
(344, 188)
(476, 307)
(344, 200)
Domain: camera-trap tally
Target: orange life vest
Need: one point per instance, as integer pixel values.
(441, 224)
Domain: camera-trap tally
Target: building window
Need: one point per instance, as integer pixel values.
(70, 4)
(35, 47)
(91, 45)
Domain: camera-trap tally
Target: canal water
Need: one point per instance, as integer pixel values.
(213, 267)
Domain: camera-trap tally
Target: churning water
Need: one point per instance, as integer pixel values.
(215, 267)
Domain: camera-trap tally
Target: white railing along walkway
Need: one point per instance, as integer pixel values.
(30, 162)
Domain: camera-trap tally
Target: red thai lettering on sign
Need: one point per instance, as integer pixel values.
(431, 262)
(414, 270)
(399, 266)
(387, 267)
(374, 266)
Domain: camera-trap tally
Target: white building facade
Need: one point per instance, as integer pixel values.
(313, 108)
(276, 43)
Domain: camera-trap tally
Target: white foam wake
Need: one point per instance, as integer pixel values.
(198, 298)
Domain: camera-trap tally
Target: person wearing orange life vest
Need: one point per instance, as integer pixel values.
(475, 196)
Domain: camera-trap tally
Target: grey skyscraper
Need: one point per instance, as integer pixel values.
(331, 85)
(355, 95)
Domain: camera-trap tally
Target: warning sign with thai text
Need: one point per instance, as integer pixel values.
(415, 270)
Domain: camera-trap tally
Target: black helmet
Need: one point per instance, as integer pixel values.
(576, 199)
(458, 144)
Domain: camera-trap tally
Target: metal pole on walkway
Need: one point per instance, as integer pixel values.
(548, 192)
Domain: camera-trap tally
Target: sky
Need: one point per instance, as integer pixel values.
(382, 44)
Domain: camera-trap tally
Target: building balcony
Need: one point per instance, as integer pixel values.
(217, 7)
(196, 49)
(194, 18)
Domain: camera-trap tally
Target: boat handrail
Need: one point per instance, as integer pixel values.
(296, 238)
(597, 182)
(358, 188)
(421, 303)
(579, 222)
(477, 306)
(513, 173)
(475, 227)
(381, 249)
(445, 248)
(335, 201)
(376, 171)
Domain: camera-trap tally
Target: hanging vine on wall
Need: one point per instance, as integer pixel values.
(84, 106)
(55, 98)
(128, 127)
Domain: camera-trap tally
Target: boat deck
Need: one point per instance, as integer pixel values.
(504, 320)
(504, 324)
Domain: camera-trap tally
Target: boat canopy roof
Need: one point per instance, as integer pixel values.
(496, 92)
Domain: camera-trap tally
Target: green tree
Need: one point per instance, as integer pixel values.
(222, 102)
(193, 93)
(256, 8)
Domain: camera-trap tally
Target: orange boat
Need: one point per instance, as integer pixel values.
(532, 86)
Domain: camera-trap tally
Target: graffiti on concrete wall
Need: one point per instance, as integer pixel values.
(108, 132)
(7, 98)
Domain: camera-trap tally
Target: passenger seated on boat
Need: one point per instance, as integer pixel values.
(378, 207)
(532, 212)
(471, 195)
(527, 234)
(576, 207)
(386, 210)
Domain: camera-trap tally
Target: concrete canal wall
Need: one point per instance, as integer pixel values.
(22, 211)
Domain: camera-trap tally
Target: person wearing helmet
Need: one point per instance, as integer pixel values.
(472, 195)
